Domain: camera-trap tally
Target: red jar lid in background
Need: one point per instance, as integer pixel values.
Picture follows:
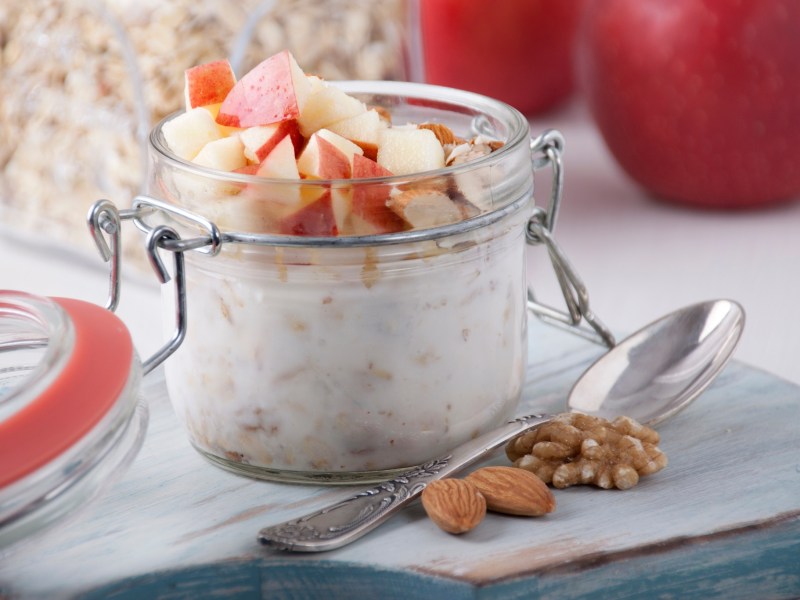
(89, 384)
(71, 418)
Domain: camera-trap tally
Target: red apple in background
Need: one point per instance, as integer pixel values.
(698, 100)
(519, 51)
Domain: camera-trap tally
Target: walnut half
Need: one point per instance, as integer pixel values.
(575, 449)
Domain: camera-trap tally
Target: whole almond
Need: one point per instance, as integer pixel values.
(513, 491)
(442, 132)
(455, 505)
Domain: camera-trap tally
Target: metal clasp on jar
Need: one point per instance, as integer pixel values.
(546, 151)
(105, 219)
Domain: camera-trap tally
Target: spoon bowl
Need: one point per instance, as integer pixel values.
(659, 370)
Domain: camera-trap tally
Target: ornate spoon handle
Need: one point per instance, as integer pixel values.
(346, 521)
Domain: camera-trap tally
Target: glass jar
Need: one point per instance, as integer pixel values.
(70, 414)
(310, 357)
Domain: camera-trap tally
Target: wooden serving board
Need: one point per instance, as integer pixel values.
(721, 521)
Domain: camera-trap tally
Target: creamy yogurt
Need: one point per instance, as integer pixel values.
(359, 359)
(365, 349)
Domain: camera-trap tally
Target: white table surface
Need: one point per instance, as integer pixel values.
(639, 257)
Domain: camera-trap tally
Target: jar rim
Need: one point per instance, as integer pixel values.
(520, 132)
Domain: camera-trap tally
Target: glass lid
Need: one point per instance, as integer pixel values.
(69, 379)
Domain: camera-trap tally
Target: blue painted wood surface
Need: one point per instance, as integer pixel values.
(721, 521)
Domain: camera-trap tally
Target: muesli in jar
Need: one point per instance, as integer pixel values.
(375, 318)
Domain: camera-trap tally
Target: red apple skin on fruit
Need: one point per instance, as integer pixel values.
(274, 90)
(369, 199)
(313, 219)
(247, 170)
(322, 160)
(518, 51)
(698, 100)
(279, 131)
(208, 84)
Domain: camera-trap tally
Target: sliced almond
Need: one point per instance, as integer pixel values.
(455, 505)
(513, 491)
(466, 152)
(425, 207)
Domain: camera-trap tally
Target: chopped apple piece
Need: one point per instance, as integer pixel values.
(275, 90)
(198, 192)
(327, 105)
(341, 204)
(208, 84)
(225, 154)
(214, 110)
(363, 130)
(280, 164)
(369, 201)
(223, 130)
(358, 226)
(186, 134)
(247, 170)
(404, 150)
(314, 218)
(365, 168)
(259, 141)
(423, 208)
(348, 148)
(320, 159)
(317, 83)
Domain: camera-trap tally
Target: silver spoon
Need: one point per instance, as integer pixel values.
(649, 376)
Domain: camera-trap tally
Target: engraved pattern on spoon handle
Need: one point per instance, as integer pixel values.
(346, 521)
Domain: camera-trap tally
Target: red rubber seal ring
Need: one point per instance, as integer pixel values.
(90, 383)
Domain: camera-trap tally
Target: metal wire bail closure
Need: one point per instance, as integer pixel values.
(105, 218)
(546, 151)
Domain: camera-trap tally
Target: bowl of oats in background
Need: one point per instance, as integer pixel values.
(91, 78)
